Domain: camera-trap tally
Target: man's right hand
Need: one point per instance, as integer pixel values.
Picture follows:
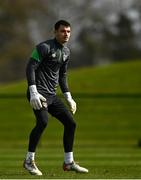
(35, 98)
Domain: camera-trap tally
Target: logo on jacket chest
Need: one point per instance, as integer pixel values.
(64, 56)
(58, 55)
(54, 55)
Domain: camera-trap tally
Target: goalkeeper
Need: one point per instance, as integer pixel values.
(46, 69)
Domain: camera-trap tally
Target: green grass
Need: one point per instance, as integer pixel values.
(108, 126)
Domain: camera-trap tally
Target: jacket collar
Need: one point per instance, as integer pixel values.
(58, 44)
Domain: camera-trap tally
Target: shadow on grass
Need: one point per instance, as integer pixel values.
(81, 95)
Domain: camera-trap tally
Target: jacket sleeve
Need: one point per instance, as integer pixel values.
(36, 58)
(30, 71)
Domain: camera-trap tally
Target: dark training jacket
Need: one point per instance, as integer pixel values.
(47, 67)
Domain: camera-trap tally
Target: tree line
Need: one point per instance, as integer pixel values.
(102, 32)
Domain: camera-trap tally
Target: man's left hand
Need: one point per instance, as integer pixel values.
(72, 105)
(70, 101)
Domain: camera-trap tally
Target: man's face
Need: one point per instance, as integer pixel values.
(63, 34)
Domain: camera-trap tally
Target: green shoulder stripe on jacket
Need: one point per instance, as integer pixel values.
(35, 55)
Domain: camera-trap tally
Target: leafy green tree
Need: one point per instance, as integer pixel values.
(14, 36)
(123, 41)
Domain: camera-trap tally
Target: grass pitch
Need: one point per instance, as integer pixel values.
(108, 127)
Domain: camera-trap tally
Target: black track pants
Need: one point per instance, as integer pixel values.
(57, 109)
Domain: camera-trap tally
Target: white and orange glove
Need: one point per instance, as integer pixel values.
(70, 101)
(35, 98)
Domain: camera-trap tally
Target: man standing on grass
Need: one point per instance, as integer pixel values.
(46, 69)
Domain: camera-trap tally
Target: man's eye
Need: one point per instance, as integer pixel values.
(65, 31)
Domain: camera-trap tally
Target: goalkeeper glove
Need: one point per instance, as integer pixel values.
(70, 101)
(35, 98)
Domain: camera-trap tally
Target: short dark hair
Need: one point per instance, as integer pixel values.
(61, 22)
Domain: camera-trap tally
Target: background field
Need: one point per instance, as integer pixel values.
(108, 126)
